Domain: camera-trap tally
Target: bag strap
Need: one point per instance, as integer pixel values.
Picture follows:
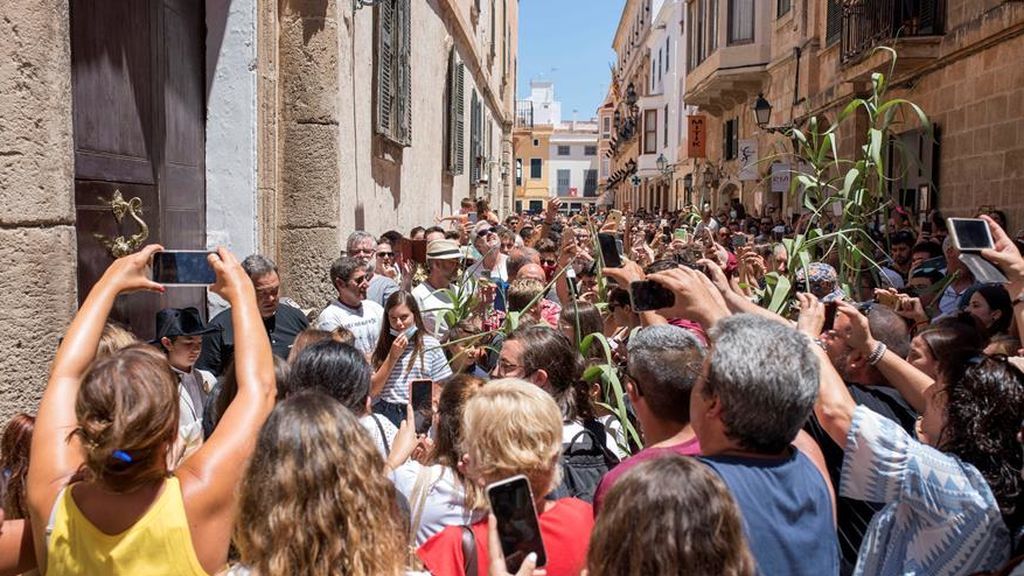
(469, 551)
(383, 435)
(420, 489)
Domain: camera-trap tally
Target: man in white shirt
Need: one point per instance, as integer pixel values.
(443, 258)
(351, 310)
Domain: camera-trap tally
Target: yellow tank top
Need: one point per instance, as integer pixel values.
(159, 543)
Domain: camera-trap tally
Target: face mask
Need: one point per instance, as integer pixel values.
(732, 214)
(408, 332)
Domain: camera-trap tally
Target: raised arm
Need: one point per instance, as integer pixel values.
(54, 458)
(1008, 258)
(834, 407)
(210, 477)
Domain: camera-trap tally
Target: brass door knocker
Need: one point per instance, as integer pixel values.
(120, 246)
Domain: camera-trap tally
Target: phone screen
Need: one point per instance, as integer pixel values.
(649, 295)
(182, 267)
(971, 233)
(421, 396)
(609, 251)
(681, 234)
(473, 217)
(518, 529)
(830, 316)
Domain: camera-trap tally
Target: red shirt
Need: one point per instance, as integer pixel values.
(688, 448)
(565, 528)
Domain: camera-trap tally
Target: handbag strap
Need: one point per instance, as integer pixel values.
(383, 435)
(420, 489)
(469, 551)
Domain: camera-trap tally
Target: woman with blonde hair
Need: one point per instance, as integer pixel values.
(315, 500)
(98, 465)
(512, 427)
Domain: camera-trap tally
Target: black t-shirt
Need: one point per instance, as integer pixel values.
(219, 348)
(852, 515)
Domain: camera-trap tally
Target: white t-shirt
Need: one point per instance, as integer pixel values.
(363, 322)
(496, 274)
(571, 429)
(433, 303)
(375, 425)
(445, 502)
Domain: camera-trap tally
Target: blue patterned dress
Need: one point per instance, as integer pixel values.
(940, 515)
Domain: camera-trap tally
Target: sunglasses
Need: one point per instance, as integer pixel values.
(385, 254)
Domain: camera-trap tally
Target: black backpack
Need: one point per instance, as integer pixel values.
(585, 460)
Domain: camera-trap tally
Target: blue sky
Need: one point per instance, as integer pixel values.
(569, 42)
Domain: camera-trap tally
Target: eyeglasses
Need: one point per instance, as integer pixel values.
(549, 261)
(360, 280)
(385, 254)
(506, 369)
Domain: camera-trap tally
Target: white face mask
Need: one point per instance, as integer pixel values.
(408, 332)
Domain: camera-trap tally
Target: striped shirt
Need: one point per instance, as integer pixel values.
(940, 515)
(432, 365)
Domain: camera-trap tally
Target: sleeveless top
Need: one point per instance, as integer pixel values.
(159, 543)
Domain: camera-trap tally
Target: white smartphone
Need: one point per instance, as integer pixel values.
(970, 234)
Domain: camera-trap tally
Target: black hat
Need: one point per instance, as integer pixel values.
(171, 322)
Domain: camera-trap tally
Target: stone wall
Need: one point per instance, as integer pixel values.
(37, 233)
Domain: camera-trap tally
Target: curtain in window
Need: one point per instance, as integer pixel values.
(741, 21)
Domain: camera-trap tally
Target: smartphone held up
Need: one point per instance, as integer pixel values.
(182, 268)
(518, 529)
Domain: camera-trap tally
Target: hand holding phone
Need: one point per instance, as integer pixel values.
(830, 316)
(609, 251)
(647, 295)
(421, 396)
(516, 519)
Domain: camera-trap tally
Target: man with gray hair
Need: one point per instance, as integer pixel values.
(283, 323)
(756, 390)
(664, 364)
(363, 247)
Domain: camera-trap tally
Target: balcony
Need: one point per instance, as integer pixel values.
(524, 114)
(870, 23)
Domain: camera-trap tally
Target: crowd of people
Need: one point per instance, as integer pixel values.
(871, 426)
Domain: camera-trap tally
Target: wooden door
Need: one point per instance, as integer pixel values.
(139, 128)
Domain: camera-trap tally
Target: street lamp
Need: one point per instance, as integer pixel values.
(662, 163)
(631, 95)
(762, 109)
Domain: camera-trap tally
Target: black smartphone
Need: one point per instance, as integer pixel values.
(830, 316)
(970, 234)
(647, 295)
(182, 268)
(738, 241)
(609, 251)
(421, 396)
(518, 528)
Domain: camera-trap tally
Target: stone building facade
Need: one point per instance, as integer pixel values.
(270, 127)
(958, 60)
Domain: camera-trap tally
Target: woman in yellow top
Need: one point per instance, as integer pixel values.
(110, 423)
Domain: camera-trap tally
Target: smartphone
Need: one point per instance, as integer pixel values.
(647, 295)
(421, 396)
(888, 300)
(970, 234)
(182, 268)
(681, 234)
(472, 217)
(418, 251)
(926, 227)
(830, 316)
(738, 241)
(609, 251)
(518, 528)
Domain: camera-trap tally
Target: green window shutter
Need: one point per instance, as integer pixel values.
(403, 115)
(460, 119)
(385, 66)
(450, 140)
(474, 143)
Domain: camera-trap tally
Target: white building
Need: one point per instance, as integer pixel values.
(546, 110)
(573, 164)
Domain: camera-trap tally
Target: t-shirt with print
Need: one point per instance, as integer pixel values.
(565, 528)
(363, 322)
(689, 448)
(432, 365)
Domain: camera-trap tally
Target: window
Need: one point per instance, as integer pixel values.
(536, 142)
(590, 150)
(394, 77)
(664, 128)
(563, 182)
(650, 131)
(536, 164)
(456, 132)
(476, 140)
(833, 21)
(564, 150)
(667, 45)
(590, 183)
(494, 25)
(606, 127)
(731, 139)
(605, 167)
(519, 171)
(741, 21)
(783, 8)
(536, 206)
(702, 18)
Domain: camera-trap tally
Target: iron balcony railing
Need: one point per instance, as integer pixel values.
(871, 23)
(524, 113)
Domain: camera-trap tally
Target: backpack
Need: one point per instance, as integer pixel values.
(585, 460)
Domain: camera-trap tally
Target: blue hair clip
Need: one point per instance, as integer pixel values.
(122, 456)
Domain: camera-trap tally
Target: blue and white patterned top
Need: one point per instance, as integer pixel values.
(940, 515)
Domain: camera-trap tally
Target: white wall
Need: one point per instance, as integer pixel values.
(231, 217)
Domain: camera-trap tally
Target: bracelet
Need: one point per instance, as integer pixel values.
(876, 355)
